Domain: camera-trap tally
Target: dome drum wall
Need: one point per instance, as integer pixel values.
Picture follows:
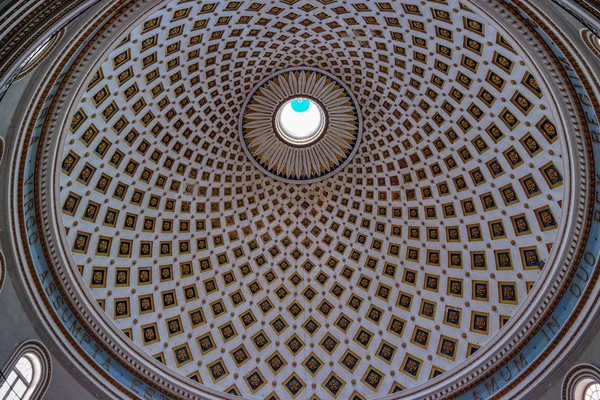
(104, 324)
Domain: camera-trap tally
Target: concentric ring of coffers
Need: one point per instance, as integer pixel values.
(415, 225)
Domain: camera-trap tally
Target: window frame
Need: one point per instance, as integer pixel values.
(578, 380)
(2, 262)
(39, 358)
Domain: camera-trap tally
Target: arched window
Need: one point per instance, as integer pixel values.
(592, 41)
(2, 265)
(27, 373)
(39, 54)
(34, 59)
(582, 382)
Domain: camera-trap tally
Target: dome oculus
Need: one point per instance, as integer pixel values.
(300, 126)
(300, 121)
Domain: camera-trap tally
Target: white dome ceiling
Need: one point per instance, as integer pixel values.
(379, 278)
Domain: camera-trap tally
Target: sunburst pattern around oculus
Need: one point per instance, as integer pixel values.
(321, 154)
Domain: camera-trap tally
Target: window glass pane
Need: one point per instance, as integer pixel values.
(25, 368)
(37, 51)
(5, 388)
(18, 391)
(12, 377)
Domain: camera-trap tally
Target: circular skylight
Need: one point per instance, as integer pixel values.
(300, 125)
(300, 121)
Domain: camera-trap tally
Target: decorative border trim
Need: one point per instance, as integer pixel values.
(581, 7)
